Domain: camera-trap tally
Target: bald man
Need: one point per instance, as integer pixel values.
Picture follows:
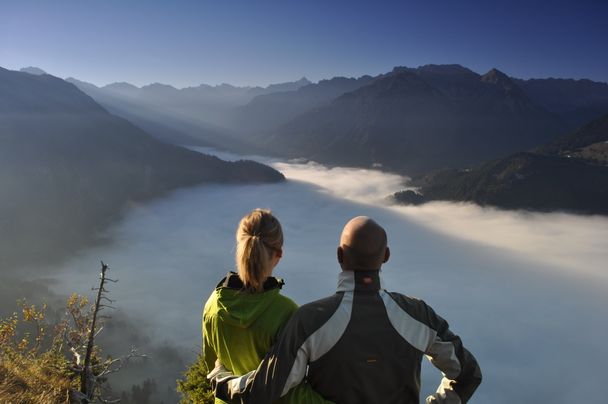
(361, 345)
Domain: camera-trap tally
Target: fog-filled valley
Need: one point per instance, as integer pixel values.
(525, 291)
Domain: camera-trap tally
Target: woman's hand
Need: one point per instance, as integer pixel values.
(219, 372)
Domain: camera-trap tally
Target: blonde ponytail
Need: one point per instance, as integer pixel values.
(258, 238)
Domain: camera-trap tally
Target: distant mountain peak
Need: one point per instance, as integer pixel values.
(453, 68)
(159, 86)
(496, 76)
(303, 81)
(447, 70)
(288, 86)
(33, 70)
(400, 69)
(81, 84)
(399, 84)
(120, 85)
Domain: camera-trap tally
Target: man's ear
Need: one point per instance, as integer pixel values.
(279, 252)
(387, 254)
(340, 254)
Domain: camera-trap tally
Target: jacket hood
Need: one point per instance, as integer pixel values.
(241, 308)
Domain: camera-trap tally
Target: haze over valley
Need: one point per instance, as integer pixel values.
(502, 279)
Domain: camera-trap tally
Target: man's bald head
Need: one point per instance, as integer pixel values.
(363, 245)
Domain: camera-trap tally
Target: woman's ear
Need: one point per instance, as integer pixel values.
(279, 253)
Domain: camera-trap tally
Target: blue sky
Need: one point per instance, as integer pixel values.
(260, 42)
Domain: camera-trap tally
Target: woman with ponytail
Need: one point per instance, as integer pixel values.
(246, 311)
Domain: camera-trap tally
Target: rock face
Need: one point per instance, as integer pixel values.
(68, 167)
(569, 174)
(415, 120)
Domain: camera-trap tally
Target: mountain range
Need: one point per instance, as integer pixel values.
(266, 112)
(414, 121)
(409, 120)
(68, 167)
(200, 115)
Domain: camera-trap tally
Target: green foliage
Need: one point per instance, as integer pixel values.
(30, 373)
(195, 387)
(37, 366)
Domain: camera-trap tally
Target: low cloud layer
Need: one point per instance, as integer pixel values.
(525, 291)
(572, 244)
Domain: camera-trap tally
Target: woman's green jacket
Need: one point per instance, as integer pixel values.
(239, 327)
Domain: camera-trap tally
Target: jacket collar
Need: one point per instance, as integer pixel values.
(349, 281)
(232, 281)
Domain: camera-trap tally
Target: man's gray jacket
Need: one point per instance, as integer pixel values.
(361, 345)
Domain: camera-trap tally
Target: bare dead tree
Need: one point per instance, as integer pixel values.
(93, 373)
(87, 386)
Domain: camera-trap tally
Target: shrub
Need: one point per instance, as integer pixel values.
(195, 387)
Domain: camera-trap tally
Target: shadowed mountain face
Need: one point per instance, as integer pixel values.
(583, 142)
(575, 101)
(570, 174)
(414, 120)
(68, 167)
(266, 112)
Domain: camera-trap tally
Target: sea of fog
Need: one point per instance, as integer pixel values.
(526, 292)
